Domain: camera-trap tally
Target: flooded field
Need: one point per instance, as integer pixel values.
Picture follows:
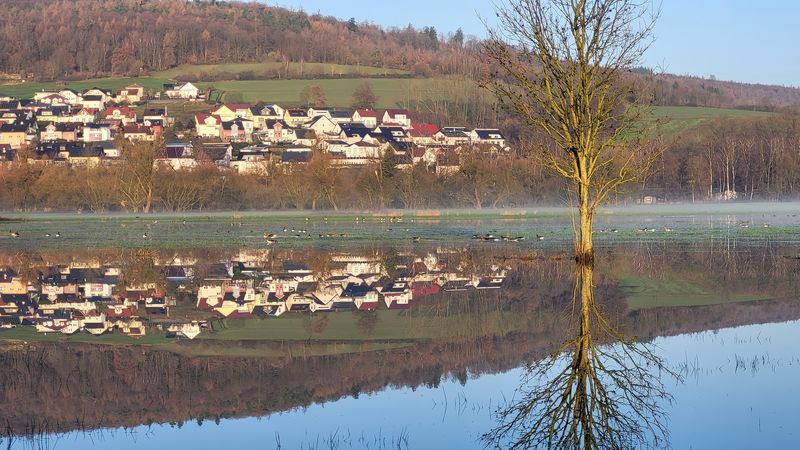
(400, 331)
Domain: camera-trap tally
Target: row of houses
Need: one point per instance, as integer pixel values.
(352, 138)
(83, 129)
(97, 298)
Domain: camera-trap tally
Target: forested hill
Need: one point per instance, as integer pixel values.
(88, 38)
(83, 39)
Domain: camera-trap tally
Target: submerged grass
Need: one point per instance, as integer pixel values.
(643, 293)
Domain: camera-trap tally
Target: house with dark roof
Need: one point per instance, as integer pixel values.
(178, 156)
(219, 153)
(93, 102)
(397, 295)
(296, 156)
(277, 130)
(53, 132)
(393, 133)
(15, 134)
(295, 117)
(237, 130)
(489, 136)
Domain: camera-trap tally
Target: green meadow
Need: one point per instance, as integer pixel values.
(271, 69)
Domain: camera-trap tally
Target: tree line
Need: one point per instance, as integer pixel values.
(754, 158)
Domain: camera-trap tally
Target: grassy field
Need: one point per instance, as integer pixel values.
(391, 92)
(26, 90)
(270, 69)
(683, 118)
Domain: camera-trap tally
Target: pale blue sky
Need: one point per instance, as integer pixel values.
(740, 40)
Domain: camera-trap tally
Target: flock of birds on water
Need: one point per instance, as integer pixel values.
(271, 237)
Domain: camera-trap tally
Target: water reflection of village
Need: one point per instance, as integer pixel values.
(183, 296)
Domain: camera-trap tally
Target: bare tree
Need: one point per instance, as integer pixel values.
(600, 390)
(137, 173)
(364, 96)
(561, 66)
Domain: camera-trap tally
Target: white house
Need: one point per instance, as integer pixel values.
(398, 117)
(186, 91)
(366, 116)
(96, 132)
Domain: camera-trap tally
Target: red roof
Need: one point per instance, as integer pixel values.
(396, 112)
(237, 106)
(367, 113)
(425, 288)
(123, 111)
(55, 97)
(127, 311)
(428, 129)
(201, 118)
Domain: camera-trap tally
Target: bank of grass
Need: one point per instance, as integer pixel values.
(391, 92)
(680, 119)
(644, 293)
(269, 70)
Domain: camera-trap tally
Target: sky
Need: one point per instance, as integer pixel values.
(738, 40)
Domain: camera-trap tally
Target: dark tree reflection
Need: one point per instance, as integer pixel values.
(599, 390)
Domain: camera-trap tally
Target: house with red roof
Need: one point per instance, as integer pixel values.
(122, 114)
(208, 125)
(366, 116)
(54, 100)
(423, 133)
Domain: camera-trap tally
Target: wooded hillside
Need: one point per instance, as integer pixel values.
(80, 39)
(87, 38)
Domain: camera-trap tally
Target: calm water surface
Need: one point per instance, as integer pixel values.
(440, 338)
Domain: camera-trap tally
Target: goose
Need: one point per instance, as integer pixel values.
(14, 234)
(416, 238)
(539, 237)
(58, 234)
(47, 235)
(668, 229)
(144, 236)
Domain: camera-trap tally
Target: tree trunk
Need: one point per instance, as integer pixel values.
(149, 203)
(584, 253)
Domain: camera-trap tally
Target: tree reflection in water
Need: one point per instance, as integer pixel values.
(599, 390)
